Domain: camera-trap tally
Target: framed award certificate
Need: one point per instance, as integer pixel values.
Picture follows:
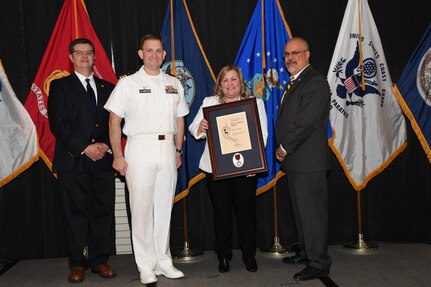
(235, 139)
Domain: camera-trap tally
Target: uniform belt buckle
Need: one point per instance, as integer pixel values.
(161, 137)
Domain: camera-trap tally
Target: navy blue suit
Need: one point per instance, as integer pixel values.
(87, 188)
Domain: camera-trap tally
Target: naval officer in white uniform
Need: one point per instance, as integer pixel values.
(152, 104)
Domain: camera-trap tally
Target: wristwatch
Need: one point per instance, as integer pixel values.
(180, 151)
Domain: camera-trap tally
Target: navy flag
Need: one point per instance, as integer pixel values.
(261, 60)
(186, 60)
(413, 91)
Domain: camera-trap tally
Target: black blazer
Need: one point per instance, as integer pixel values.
(301, 126)
(75, 125)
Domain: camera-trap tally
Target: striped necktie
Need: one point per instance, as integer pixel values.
(288, 88)
(292, 79)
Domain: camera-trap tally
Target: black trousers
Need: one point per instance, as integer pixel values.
(309, 195)
(88, 201)
(234, 195)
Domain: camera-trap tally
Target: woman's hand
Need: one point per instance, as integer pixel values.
(203, 126)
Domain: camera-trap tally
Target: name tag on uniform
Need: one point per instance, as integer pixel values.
(171, 90)
(144, 91)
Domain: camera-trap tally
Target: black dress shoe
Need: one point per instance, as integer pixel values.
(309, 273)
(250, 264)
(296, 259)
(251, 267)
(223, 265)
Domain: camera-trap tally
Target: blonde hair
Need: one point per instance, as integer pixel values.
(217, 88)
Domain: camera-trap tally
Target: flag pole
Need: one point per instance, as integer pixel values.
(360, 246)
(263, 48)
(186, 254)
(276, 249)
(174, 66)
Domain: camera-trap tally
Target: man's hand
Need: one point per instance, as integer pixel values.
(103, 148)
(120, 165)
(280, 154)
(178, 160)
(94, 151)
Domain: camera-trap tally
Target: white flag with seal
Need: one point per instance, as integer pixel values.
(369, 126)
(18, 138)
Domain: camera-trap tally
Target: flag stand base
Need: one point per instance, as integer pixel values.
(361, 247)
(276, 249)
(187, 254)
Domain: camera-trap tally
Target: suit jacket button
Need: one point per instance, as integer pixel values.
(97, 125)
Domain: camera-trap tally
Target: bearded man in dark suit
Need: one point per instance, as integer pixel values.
(83, 163)
(301, 133)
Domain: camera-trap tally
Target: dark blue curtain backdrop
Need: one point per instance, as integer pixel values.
(395, 204)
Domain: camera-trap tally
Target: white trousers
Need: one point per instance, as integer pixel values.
(151, 179)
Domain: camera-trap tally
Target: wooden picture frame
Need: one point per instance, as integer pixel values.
(235, 139)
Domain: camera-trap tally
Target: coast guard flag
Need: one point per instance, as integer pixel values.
(72, 23)
(186, 59)
(261, 60)
(369, 126)
(413, 91)
(18, 139)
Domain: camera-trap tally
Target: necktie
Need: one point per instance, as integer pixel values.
(292, 79)
(288, 88)
(91, 95)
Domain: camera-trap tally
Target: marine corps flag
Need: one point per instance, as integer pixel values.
(186, 59)
(261, 60)
(413, 91)
(18, 139)
(369, 126)
(72, 23)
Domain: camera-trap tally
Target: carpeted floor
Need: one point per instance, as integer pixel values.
(391, 265)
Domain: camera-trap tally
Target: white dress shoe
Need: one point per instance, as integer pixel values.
(148, 277)
(169, 272)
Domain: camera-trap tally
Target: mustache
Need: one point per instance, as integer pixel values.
(290, 62)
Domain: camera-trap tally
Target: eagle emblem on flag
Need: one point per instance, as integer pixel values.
(186, 78)
(350, 87)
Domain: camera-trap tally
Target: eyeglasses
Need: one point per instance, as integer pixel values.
(293, 53)
(82, 52)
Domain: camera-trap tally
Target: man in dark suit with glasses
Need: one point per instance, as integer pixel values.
(301, 133)
(83, 163)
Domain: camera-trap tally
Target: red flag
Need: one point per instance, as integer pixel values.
(72, 23)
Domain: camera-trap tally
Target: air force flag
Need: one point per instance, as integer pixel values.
(369, 126)
(260, 58)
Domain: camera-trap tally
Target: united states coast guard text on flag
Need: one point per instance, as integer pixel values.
(369, 126)
(262, 64)
(18, 139)
(193, 70)
(413, 91)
